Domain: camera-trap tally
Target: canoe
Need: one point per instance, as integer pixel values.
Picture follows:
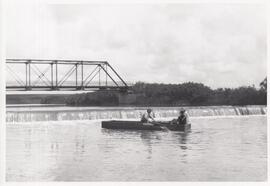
(130, 125)
(137, 125)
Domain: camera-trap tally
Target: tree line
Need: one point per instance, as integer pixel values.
(189, 94)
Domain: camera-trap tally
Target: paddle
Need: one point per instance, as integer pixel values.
(156, 123)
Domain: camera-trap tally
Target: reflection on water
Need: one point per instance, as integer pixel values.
(224, 149)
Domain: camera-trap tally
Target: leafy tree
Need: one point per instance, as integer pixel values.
(189, 93)
(263, 84)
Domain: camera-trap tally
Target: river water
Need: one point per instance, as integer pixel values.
(219, 148)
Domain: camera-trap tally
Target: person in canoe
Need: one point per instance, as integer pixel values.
(183, 118)
(148, 117)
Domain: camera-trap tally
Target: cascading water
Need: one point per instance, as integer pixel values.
(73, 113)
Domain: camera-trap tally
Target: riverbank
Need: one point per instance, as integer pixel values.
(152, 94)
(31, 99)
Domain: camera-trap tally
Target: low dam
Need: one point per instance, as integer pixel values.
(32, 114)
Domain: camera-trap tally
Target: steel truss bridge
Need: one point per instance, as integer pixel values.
(45, 75)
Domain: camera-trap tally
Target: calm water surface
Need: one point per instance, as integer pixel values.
(217, 149)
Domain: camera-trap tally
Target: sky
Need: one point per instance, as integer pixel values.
(219, 45)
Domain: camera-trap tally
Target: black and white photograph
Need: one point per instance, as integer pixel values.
(135, 91)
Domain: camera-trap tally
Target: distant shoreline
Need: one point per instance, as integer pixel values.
(126, 106)
(35, 105)
(151, 95)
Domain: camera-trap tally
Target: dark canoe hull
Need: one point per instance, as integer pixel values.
(137, 125)
(183, 128)
(129, 125)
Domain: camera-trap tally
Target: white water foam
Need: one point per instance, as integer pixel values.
(162, 113)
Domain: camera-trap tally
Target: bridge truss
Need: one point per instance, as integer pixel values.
(45, 75)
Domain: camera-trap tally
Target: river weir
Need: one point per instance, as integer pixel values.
(33, 114)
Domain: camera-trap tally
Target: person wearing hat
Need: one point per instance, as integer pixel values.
(148, 116)
(183, 118)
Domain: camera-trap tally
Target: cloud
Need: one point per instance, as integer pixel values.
(216, 44)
